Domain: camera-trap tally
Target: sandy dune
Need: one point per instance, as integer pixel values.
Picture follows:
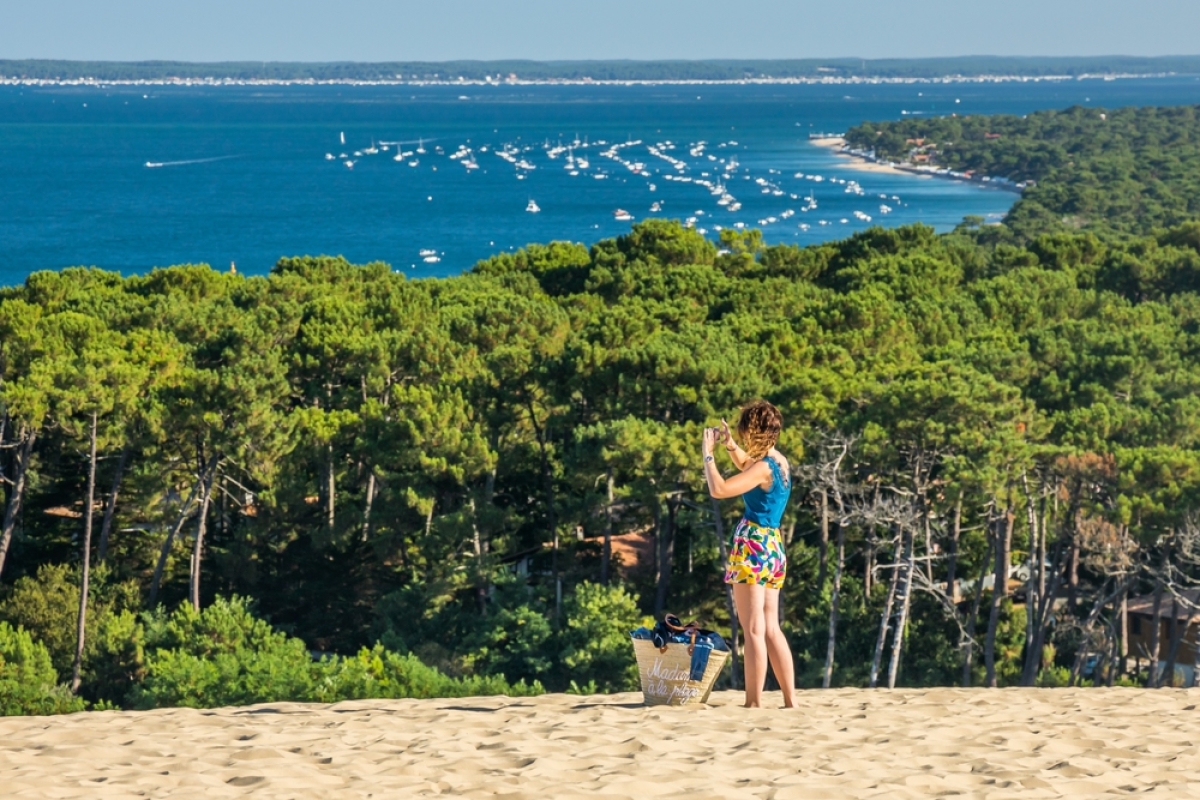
(843, 744)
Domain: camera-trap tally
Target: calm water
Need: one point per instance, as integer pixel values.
(245, 178)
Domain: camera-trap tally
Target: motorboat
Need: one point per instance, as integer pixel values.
(532, 207)
(621, 215)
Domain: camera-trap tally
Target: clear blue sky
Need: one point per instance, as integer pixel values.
(387, 30)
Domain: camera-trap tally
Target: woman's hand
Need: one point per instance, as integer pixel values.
(726, 436)
(711, 436)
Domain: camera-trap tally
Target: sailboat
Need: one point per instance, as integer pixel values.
(420, 146)
(532, 208)
(343, 136)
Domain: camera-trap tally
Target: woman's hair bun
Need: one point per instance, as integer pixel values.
(758, 427)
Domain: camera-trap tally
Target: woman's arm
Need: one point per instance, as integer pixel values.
(740, 459)
(757, 474)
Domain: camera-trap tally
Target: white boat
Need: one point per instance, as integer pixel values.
(431, 259)
(414, 162)
(652, 187)
(427, 253)
(372, 150)
(329, 156)
(421, 147)
(656, 206)
(349, 164)
(532, 207)
(342, 135)
(621, 215)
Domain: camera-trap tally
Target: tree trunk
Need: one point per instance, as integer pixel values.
(1154, 634)
(1196, 665)
(952, 556)
(1177, 634)
(110, 506)
(1031, 588)
(85, 570)
(973, 617)
(1073, 572)
(823, 542)
(173, 533)
(370, 499)
(905, 589)
(834, 599)
(1004, 525)
(606, 552)
(868, 572)
(481, 589)
(1044, 613)
(1101, 601)
(1110, 672)
(719, 527)
(666, 556)
(198, 549)
(551, 512)
(1124, 663)
(20, 473)
(886, 617)
(330, 488)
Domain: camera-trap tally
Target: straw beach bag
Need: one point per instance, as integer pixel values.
(666, 674)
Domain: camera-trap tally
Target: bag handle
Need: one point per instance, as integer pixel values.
(673, 623)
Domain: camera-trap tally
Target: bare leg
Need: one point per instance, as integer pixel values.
(749, 599)
(777, 648)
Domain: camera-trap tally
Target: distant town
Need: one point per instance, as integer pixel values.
(984, 69)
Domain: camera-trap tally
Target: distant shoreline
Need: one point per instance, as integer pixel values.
(827, 80)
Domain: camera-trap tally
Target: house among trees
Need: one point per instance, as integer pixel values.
(1174, 648)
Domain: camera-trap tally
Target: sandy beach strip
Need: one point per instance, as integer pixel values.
(1008, 743)
(859, 163)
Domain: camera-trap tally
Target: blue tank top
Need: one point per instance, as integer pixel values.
(765, 506)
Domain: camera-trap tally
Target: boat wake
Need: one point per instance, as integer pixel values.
(158, 164)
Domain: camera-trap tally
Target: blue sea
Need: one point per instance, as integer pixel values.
(130, 178)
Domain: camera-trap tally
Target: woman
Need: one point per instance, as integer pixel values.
(757, 561)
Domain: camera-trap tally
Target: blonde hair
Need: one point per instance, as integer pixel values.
(758, 427)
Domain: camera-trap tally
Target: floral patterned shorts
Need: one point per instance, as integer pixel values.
(757, 556)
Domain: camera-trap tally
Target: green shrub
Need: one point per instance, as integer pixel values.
(596, 649)
(47, 606)
(28, 682)
(516, 643)
(377, 672)
(224, 656)
(220, 656)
